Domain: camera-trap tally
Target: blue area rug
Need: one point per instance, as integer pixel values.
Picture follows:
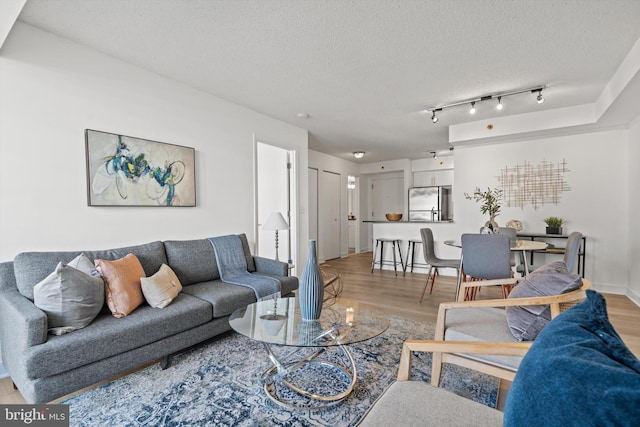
(218, 384)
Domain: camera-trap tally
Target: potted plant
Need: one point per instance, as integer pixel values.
(554, 224)
(490, 203)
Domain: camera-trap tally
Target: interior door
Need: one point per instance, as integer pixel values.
(273, 195)
(387, 196)
(330, 191)
(313, 204)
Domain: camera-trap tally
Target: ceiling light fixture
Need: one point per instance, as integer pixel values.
(434, 154)
(434, 118)
(358, 154)
(498, 96)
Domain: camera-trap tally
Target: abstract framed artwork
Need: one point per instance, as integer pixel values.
(128, 171)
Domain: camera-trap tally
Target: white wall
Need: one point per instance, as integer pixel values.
(52, 89)
(324, 162)
(596, 205)
(633, 253)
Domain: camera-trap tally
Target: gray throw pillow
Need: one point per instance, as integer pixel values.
(70, 297)
(526, 322)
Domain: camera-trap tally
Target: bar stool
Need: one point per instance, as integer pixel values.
(411, 256)
(396, 245)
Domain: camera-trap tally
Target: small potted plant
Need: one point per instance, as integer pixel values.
(554, 224)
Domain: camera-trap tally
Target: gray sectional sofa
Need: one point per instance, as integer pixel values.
(45, 367)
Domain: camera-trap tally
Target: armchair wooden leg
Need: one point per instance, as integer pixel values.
(436, 369)
(404, 369)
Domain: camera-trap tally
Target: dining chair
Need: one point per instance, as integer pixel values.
(434, 262)
(486, 257)
(571, 251)
(513, 237)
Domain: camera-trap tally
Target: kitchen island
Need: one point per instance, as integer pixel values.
(406, 230)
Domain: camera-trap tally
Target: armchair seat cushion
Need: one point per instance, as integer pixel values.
(417, 403)
(481, 324)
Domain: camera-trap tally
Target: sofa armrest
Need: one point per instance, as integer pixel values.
(270, 266)
(22, 324)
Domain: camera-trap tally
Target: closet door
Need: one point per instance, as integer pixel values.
(330, 191)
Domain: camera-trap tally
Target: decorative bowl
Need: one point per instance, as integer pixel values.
(394, 216)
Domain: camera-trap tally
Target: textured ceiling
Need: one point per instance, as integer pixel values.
(364, 70)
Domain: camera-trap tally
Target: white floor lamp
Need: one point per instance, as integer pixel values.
(276, 222)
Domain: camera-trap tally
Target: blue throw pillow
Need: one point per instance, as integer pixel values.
(577, 372)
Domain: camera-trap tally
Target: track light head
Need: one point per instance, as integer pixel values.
(499, 106)
(434, 118)
(473, 108)
(434, 154)
(540, 98)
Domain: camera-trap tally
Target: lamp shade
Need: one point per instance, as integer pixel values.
(275, 222)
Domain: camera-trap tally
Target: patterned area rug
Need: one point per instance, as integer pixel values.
(218, 384)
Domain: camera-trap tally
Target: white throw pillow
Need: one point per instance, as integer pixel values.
(70, 297)
(161, 288)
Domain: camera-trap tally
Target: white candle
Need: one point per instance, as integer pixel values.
(349, 315)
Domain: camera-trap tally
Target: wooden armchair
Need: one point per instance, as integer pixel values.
(484, 321)
(410, 403)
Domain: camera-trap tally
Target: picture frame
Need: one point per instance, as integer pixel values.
(129, 171)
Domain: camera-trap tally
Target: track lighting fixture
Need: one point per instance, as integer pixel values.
(498, 96)
(358, 154)
(434, 154)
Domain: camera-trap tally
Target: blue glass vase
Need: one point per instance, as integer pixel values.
(311, 291)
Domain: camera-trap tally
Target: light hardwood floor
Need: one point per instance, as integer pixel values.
(401, 296)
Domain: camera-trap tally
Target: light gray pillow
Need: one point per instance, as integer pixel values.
(526, 322)
(70, 297)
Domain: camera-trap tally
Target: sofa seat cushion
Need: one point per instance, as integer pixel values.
(107, 336)
(225, 298)
(288, 284)
(30, 268)
(417, 403)
(481, 324)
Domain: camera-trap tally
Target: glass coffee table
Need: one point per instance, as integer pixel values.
(299, 377)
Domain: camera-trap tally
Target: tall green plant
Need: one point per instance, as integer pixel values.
(490, 200)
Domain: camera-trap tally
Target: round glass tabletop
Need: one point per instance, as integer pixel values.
(278, 321)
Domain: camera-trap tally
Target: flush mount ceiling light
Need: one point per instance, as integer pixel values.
(358, 154)
(497, 96)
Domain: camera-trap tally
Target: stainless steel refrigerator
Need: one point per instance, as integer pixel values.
(430, 203)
